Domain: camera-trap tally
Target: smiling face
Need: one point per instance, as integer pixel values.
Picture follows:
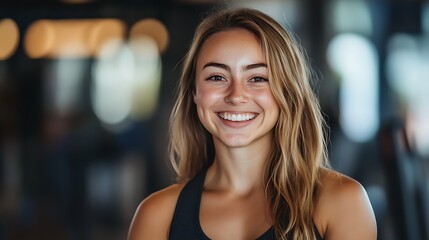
(233, 97)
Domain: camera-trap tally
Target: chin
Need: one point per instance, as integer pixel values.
(236, 142)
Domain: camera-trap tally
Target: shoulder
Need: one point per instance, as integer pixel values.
(343, 210)
(154, 214)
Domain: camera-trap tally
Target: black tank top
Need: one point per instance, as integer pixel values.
(186, 218)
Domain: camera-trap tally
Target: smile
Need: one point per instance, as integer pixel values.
(237, 117)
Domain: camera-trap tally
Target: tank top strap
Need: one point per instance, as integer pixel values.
(186, 215)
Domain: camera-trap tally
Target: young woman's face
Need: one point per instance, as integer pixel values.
(233, 97)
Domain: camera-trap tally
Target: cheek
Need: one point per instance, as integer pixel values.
(267, 99)
(203, 103)
(204, 97)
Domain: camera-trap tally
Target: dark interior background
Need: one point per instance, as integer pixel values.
(66, 173)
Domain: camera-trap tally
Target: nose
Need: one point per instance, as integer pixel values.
(236, 94)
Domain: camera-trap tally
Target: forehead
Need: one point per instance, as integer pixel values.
(231, 44)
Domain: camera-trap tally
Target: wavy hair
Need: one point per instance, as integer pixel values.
(292, 173)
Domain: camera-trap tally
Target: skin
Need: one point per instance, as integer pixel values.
(232, 78)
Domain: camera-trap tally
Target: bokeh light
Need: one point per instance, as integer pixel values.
(407, 70)
(113, 81)
(9, 39)
(354, 59)
(352, 15)
(126, 81)
(64, 80)
(71, 38)
(147, 79)
(153, 28)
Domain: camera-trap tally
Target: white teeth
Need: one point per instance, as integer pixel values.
(237, 117)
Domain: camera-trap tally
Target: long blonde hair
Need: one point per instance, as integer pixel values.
(293, 169)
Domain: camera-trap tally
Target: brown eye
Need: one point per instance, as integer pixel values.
(215, 78)
(258, 79)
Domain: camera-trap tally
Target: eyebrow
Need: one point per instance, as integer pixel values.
(226, 67)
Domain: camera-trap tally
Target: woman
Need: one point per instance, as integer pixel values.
(248, 147)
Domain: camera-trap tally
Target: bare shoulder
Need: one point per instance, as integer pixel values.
(154, 214)
(343, 210)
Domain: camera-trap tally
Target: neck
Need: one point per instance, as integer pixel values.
(240, 169)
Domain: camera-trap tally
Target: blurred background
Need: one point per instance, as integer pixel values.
(86, 89)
